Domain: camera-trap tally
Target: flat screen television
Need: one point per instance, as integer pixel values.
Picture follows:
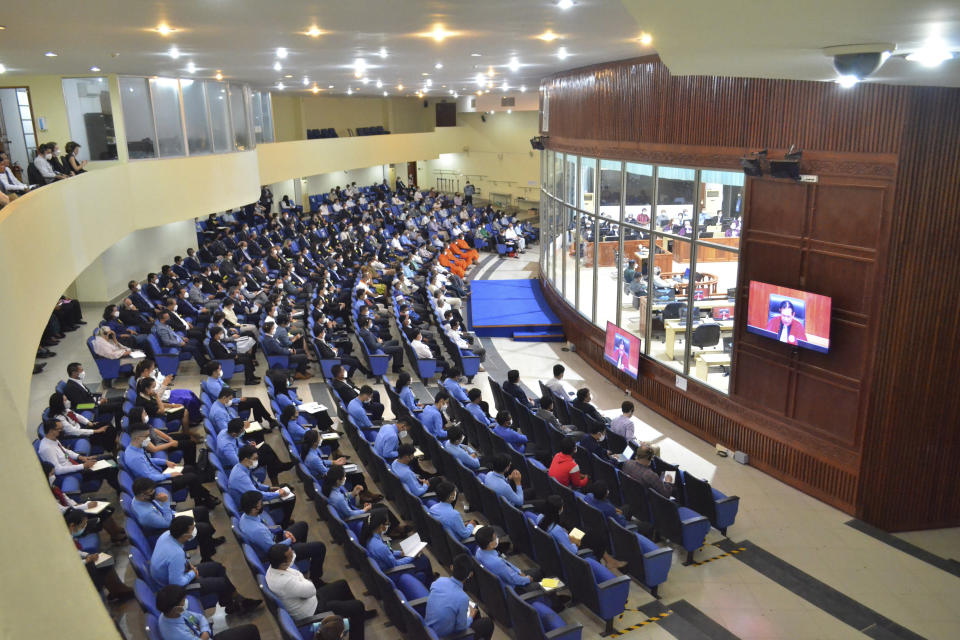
(622, 350)
(798, 318)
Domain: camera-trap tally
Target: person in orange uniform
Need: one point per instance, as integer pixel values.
(463, 244)
(445, 260)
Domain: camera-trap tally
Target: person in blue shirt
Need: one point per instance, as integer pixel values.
(491, 560)
(139, 465)
(504, 429)
(448, 606)
(401, 469)
(476, 409)
(296, 426)
(153, 511)
(509, 487)
(406, 393)
(597, 498)
(169, 565)
(342, 501)
(213, 384)
(388, 439)
(594, 540)
(231, 439)
(241, 480)
(358, 413)
(313, 458)
(176, 622)
(261, 533)
(512, 387)
(449, 517)
(451, 382)
(454, 445)
(432, 416)
(371, 537)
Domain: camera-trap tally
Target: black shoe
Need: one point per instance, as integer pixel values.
(286, 466)
(210, 501)
(369, 614)
(45, 354)
(219, 540)
(38, 368)
(81, 322)
(249, 604)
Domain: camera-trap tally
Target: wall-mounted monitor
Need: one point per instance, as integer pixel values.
(795, 317)
(622, 350)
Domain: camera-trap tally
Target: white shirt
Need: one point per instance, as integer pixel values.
(458, 339)
(510, 233)
(74, 428)
(422, 350)
(556, 387)
(43, 166)
(10, 182)
(297, 594)
(59, 456)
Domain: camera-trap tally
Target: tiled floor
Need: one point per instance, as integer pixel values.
(797, 529)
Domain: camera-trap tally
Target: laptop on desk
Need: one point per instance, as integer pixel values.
(625, 455)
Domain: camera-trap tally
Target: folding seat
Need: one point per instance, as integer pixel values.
(517, 527)
(646, 561)
(167, 359)
(491, 505)
(546, 553)
(438, 541)
(109, 369)
(720, 509)
(393, 598)
(418, 630)
(530, 623)
(678, 524)
(290, 629)
(609, 475)
(597, 587)
(492, 595)
(543, 484)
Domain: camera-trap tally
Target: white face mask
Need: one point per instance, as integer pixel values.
(401, 434)
(48, 156)
(116, 314)
(256, 463)
(66, 404)
(294, 556)
(193, 534)
(81, 375)
(52, 479)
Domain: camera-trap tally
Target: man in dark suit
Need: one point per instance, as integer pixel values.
(374, 343)
(152, 289)
(180, 324)
(272, 347)
(191, 262)
(348, 391)
(582, 402)
(512, 386)
(78, 394)
(138, 299)
(222, 351)
(329, 352)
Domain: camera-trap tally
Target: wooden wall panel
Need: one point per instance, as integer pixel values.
(878, 233)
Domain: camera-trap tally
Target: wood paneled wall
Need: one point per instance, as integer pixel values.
(872, 427)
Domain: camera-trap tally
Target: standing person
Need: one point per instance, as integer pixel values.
(468, 192)
(449, 610)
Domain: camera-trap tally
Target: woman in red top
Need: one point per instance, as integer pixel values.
(564, 469)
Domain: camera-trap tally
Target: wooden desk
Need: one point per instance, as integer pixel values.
(706, 253)
(709, 282)
(673, 327)
(708, 359)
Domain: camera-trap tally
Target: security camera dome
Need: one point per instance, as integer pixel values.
(859, 60)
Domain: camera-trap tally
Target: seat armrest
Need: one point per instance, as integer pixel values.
(398, 570)
(631, 527)
(416, 603)
(585, 553)
(650, 555)
(428, 495)
(471, 539)
(530, 595)
(690, 521)
(612, 582)
(362, 516)
(728, 499)
(463, 635)
(562, 631)
(317, 617)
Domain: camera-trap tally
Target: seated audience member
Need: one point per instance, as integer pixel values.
(388, 439)
(303, 598)
(169, 565)
(375, 344)
(272, 347)
(582, 402)
(623, 424)
(595, 540)
(280, 499)
(405, 393)
(147, 368)
(554, 384)
(456, 447)
(65, 461)
(356, 410)
(95, 522)
(71, 163)
(139, 465)
(105, 345)
(596, 497)
(461, 342)
(423, 351)
(100, 434)
(175, 442)
(371, 537)
(449, 610)
(215, 387)
(80, 396)
(261, 533)
(448, 516)
(512, 386)
(150, 399)
(42, 162)
(504, 429)
(221, 351)
(639, 469)
(176, 622)
(546, 413)
(494, 562)
(595, 441)
(505, 483)
(332, 628)
(328, 351)
(348, 391)
(231, 439)
(401, 469)
(451, 382)
(564, 469)
(153, 511)
(102, 577)
(432, 416)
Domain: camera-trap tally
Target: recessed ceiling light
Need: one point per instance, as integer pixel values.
(480, 79)
(456, 95)
(506, 86)
(191, 68)
(399, 87)
(95, 69)
(523, 88)
(514, 64)
(281, 86)
(379, 83)
(479, 92)
(359, 67)
(385, 93)
(490, 71)
(315, 89)
(509, 110)
(847, 81)
(288, 76)
(645, 39)
(219, 75)
(439, 33)
(428, 82)
(329, 86)
(424, 73)
(3, 69)
(475, 55)
(564, 4)
(450, 92)
(50, 54)
(383, 52)
(277, 66)
(281, 52)
(439, 65)
(349, 92)
(174, 53)
(306, 80)
(314, 31)
(933, 53)
(365, 80)
(562, 53)
(3, 27)
(548, 36)
(164, 29)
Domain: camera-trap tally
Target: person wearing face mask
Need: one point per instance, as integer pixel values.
(449, 517)
(584, 404)
(371, 537)
(232, 438)
(303, 599)
(43, 165)
(451, 382)
(215, 386)
(455, 446)
(102, 577)
(154, 512)
(139, 465)
(100, 433)
(504, 429)
(103, 520)
(388, 439)
(56, 162)
(595, 441)
(176, 622)
(152, 403)
(106, 345)
(449, 609)
(80, 396)
(182, 446)
(65, 461)
(169, 565)
(279, 499)
(260, 532)
(475, 407)
(73, 162)
(432, 415)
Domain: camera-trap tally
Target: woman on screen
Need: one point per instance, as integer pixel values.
(621, 352)
(786, 326)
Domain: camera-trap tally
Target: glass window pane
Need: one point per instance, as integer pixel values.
(556, 249)
(570, 251)
(256, 114)
(548, 172)
(721, 203)
(570, 176)
(195, 111)
(675, 192)
(608, 271)
(266, 104)
(558, 175)
(25, 112)
(219, 116)
(711, 346)
(610, 189)
(166, 107)
(588, 247)
(138, 118)
(23, 98)
(588, 184)
(90, 117)
(238, 117)
(669, 303)
(639, 194)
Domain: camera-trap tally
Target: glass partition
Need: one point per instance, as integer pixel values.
(90, 115)
(138, 118)
(239, 117)
(721, 201)
(588, 184)
(714, 298)
(638, 196)
(675, 193)
(570, 180)
(166, 109)
(571, 253)
(199, 137)
(587, 262)
(219, 115)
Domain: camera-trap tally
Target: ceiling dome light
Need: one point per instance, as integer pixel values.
(399, 87)
(174, 53)
(385, 94)
(329, 86)
(564, 4)
(288, 76)
(3, 69)
(847, 81)
(548, 36)
(359, 67)
(439, 65)
(219, 76)
(428, 82)
(505, 87)
(365, 80)
(281, 52)
(480, 80)
(191, 68)
(277, 66)
(475, 55)
(514, 64)
(50, 54)
(562, 53)
(523, 88)
(379, 83)
(315, 89)
(383, 52)
(164, 29)
(933, 54)
(94, 69)
(349, 91)
(306, 80)
(645, 39)
(314, 31)
(280, 86)
(439, 33)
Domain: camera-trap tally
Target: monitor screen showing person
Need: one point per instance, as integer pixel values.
(793, 317)
(622, 349)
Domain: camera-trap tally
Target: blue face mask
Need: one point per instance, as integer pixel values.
(77, 534)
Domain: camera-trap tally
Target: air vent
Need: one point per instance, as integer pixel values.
(508, 102)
